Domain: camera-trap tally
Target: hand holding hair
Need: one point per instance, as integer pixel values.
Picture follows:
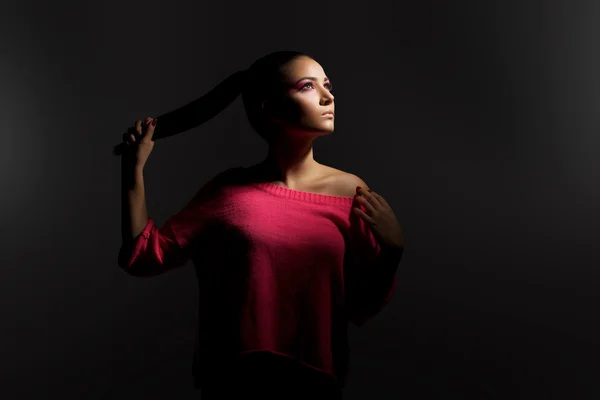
(195, 113)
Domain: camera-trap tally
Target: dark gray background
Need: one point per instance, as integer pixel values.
(477, 121)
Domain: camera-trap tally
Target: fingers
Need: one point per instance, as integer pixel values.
(150, 128)
(133, 133)
(366, 203)
(139, 131)
(380, 199)
(371, 196)
(368, 199)
(363, 215)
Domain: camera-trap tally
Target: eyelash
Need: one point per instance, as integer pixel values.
(310, 83)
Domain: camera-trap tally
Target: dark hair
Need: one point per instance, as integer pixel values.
(261, 81)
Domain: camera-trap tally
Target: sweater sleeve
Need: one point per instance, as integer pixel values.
(157, 250)
(370, 279)
(154, 251)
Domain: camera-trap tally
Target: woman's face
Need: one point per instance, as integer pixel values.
(306, 96)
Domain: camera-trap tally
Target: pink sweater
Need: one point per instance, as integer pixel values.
(279, 270)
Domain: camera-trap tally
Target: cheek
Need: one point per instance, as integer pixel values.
(302, 107)
(306, 108)
(296, 110)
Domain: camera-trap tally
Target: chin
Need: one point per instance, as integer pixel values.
(324, 129)
(316, 130)
(327, 127)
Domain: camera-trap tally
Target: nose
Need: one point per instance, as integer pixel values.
(328, 97)
(325, 92)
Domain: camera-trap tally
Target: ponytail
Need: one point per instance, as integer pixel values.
(265, 71)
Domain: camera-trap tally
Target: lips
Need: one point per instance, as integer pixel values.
(329, 113)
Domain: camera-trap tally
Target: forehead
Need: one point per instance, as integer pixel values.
(303, 66)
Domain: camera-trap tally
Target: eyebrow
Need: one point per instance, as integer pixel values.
(312, 78)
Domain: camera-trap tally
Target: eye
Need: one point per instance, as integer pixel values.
(327, 85)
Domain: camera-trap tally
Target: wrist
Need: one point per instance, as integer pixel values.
(132, 165)
(138, 169)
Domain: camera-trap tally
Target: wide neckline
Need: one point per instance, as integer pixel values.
(285, 192)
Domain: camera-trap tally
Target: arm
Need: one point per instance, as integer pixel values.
(134, 214)
(153, 252)
(370, 287)
(148, 250)
(145, 250)
(375, 250)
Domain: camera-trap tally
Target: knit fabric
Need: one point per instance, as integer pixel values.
(279, 270)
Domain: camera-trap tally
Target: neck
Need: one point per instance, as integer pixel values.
(290, 163)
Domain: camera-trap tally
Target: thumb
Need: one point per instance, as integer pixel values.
(150, 131)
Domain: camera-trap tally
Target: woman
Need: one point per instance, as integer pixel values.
(286, 252)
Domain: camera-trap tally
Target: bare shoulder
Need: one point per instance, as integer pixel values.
(344, 183)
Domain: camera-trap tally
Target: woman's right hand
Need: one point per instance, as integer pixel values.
(138, 140)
